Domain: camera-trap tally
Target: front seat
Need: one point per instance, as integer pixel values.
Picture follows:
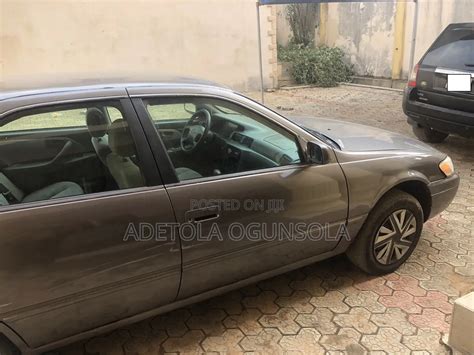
(98, 125)
(11, 194)
(120, 162)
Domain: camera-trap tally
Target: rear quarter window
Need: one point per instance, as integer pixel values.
(454, 49)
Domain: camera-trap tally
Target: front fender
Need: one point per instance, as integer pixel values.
(371, 175)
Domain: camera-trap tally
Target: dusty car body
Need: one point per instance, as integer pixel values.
(70, 269)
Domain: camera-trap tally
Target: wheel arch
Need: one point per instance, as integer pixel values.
(417, 186)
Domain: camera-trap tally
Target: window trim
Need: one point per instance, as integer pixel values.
(164, 162)
(147, 163)
(78, 198)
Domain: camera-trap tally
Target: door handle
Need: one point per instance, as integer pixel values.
(201, 215)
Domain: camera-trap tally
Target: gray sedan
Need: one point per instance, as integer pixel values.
(122, 201)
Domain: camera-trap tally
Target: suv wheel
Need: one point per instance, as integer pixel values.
(389, 235)
(429, 135)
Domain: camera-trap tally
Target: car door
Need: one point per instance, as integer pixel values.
(239, 223)
(74, 263)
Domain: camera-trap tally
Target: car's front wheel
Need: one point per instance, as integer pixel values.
(429, 135)
(389, 235)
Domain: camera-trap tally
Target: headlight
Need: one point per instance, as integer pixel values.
(447, 167)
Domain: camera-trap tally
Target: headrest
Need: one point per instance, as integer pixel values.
(97, 123)
(120, 139)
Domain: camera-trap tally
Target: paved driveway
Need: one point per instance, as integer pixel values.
(331, 306)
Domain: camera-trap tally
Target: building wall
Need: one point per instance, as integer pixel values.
(45, 41)
(434, 16)
(366, 31)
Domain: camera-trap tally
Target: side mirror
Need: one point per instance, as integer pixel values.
(317, 154)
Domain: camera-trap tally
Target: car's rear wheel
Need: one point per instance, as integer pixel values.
(429, 135)
(389, 235)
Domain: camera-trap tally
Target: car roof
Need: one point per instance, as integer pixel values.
(12, 100)
(104, 85)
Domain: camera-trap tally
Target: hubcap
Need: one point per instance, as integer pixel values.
(395, 237)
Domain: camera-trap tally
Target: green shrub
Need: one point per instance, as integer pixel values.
(321, 66)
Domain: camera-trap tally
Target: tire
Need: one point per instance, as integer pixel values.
(396, 237)
(429, 135)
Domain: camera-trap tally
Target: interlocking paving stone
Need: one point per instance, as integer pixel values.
(189, 343)
(283, 320)
(227, 343)
(334, 300)
(267, 341)
(435, 299)
(247, 322)
(426, 340)
(347, 339)
(306, 342)
(394, 318)
(321, 319)
(299, 301)
(323, 304)
(430, 318)
(265, 302)
(387, 339)
(358, 318)
(402, 300)
(366, 299)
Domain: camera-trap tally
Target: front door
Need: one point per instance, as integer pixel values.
(245, 200)
(72, 254)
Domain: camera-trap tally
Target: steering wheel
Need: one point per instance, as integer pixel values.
(196, 130)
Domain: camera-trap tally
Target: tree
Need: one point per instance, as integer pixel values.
(303, 20)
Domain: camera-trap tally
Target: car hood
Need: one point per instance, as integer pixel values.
(357, 137)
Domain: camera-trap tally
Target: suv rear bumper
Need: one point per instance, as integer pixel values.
(442, 193)
(439, 118)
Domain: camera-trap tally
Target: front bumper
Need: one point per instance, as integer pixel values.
(443, 193)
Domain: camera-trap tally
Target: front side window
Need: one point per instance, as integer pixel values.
(63, 151)
(215, 137)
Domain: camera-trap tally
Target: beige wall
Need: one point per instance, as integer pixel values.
(59, 40)
(434, 16)
(366, 31)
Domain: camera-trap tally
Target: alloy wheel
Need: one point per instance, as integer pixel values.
(395, 237)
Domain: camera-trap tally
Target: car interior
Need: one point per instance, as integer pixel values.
(207, 137)
(90, 150)
(73, 151)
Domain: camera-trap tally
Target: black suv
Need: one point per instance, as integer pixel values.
(432, 110)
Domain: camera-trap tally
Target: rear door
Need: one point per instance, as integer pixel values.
(451, 53)
(74, 263)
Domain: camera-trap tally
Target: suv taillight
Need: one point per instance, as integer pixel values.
(413, 75)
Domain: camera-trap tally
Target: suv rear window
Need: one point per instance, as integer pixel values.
(454, 49)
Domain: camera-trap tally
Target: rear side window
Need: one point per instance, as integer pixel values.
(42, 158)
(454, 49)
(47, 120)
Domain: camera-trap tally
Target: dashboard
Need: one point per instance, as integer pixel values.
(252, 143)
